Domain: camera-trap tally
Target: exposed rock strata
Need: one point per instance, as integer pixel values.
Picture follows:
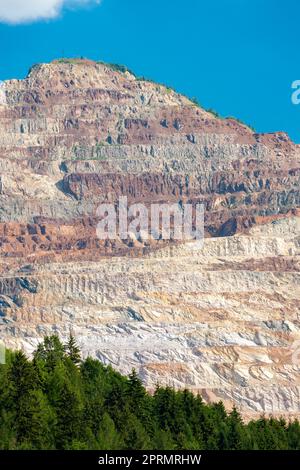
(221, 320)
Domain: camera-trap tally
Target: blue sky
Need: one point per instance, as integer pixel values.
(239, 57)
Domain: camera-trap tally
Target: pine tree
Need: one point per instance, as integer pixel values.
(68, 417)
(108, 438)
(73, 351)
(235, 430)
(36, 423)
(162, 440)
(7, 432)
(22, 401)
(139, 402)
(117, 406)
(135, 435)
(193, 409)
(136, 390)
(293, 435)
(50, 351)
(51, 403)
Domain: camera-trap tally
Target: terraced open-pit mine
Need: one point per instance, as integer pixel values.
(222, 319)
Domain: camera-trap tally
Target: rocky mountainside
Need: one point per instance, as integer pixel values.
(222, 319)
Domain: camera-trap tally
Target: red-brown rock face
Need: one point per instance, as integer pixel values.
(75, 134)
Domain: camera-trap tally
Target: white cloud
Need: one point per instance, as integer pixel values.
(23, 11)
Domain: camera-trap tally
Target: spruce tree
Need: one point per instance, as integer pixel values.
(51, 403)
(21, 399)
(68, 417)
(72, 350)
(235, 430)
(108, 437)
(50, 351)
